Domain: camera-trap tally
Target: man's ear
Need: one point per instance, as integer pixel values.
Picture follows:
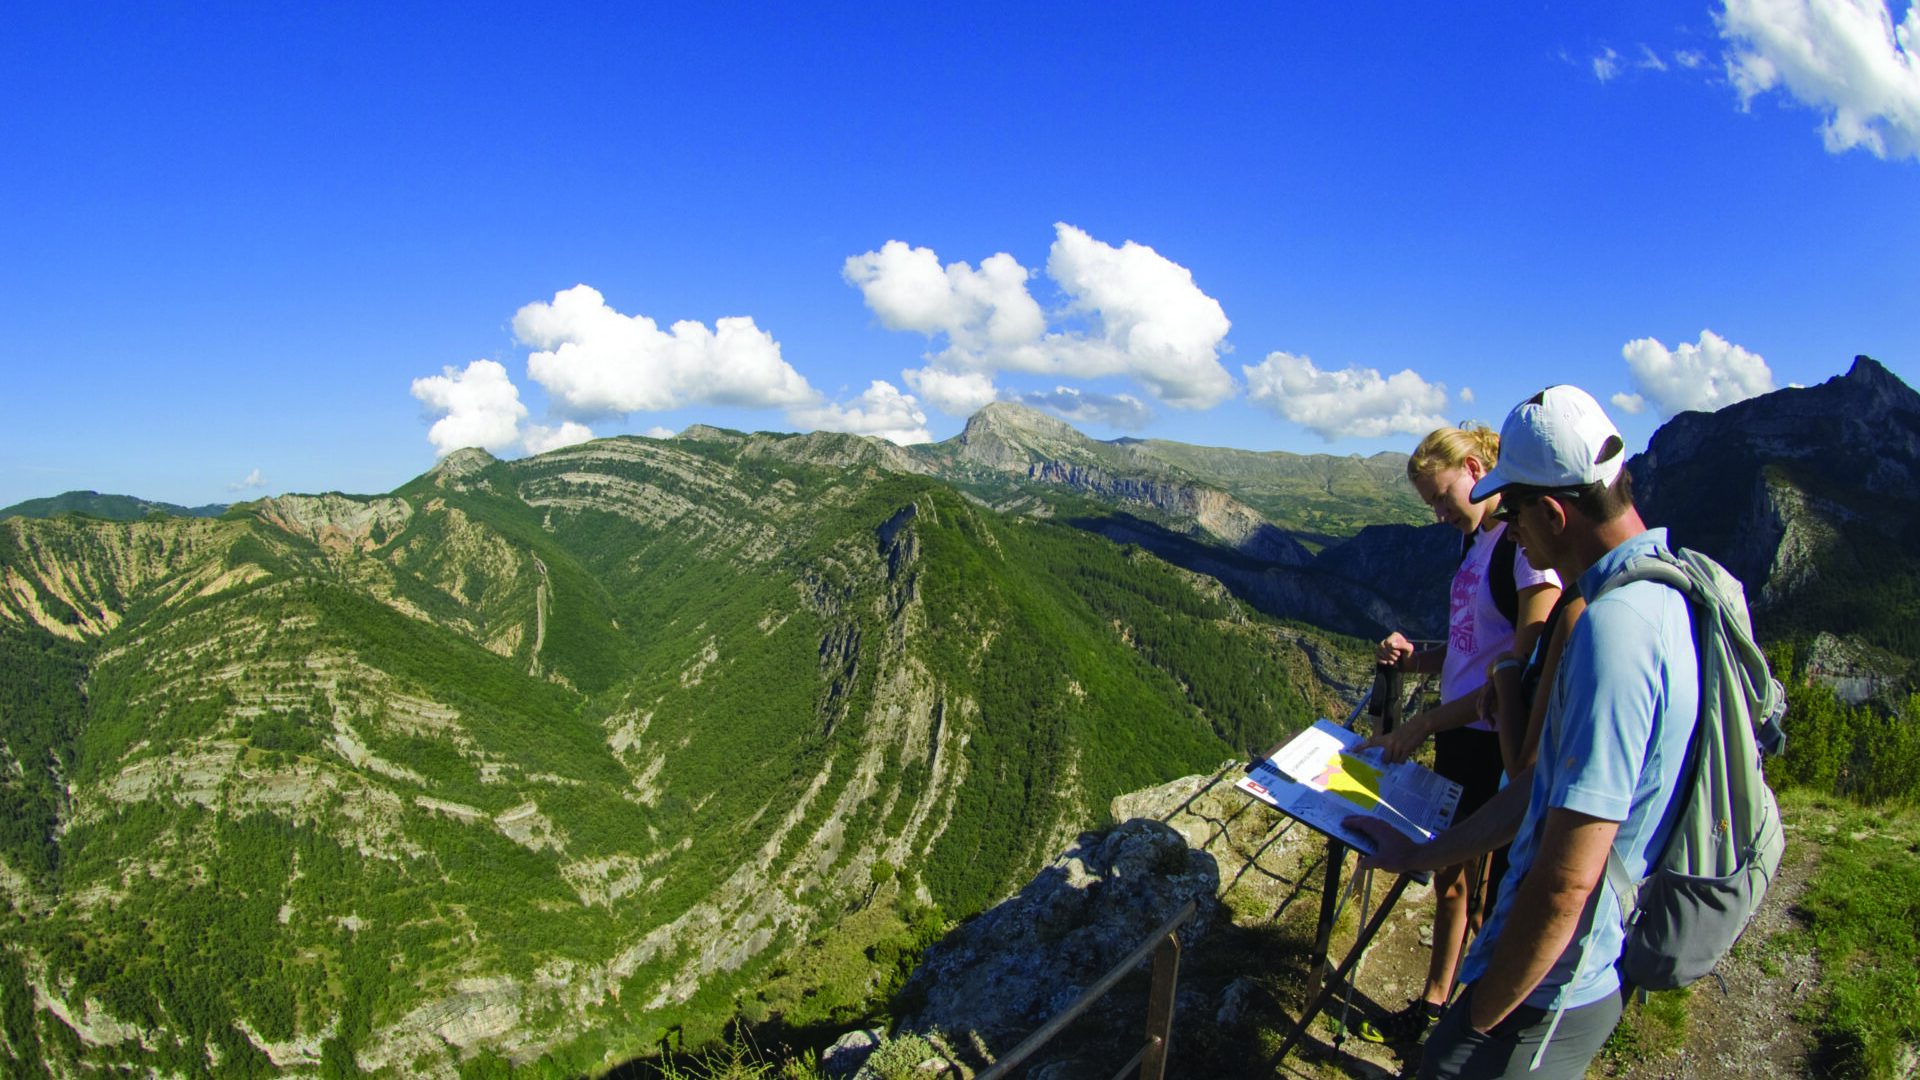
(1553, 513)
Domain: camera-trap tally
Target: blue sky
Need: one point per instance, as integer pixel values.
(248, 249)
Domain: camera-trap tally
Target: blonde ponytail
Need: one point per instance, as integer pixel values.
(1450, 447)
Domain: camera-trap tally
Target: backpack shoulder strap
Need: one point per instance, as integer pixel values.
(1500, 580)
(1658, 565)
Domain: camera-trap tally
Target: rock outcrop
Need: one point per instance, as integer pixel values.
(1811, 496)
(1016, 965)
(1741, 482)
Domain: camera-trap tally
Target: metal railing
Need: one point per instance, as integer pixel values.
(1164, 944)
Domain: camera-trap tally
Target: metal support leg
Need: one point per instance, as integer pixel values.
(1329, 907)
(1318, 1001)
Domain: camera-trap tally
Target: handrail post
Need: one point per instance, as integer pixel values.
(1156, 944)
(1160, 1002)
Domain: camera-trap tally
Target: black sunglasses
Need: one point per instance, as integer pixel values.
(1511, 503)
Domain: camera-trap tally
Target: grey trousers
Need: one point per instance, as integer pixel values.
(1455, 1050)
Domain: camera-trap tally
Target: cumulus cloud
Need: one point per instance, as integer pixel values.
(881, 410)
(251, 481)
(538, 439)
(1354, 402)
(1154, 322)
(1691, 59)
(1466, 395)
(658, 432)
(1122, 411)
(479, 406)
(595, 361)
(1845, 59)
(977, 310)
(956, 393)
(1139, 315)
(1633, 404)
(1709, 375)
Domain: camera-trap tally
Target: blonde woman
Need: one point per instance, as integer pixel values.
(1496, 608)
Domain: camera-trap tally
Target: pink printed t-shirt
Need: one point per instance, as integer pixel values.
(1476, 631)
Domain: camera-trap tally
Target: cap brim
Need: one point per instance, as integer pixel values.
(1489, 485)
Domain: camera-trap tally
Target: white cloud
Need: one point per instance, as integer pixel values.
(1710, 375)
(1145, 319)
(658, 432)
(538, 439)
(976, 309)
(1690, 59)
(479, 406)
(1353, 402)
(1155, 323)
(1632, 404)
(1122, 411)
(1606, 65)
(251, 481)
(954, 393)
(881, 410)
(1650, 60)
(594, 361)
(1846, 59)
(1466, 395)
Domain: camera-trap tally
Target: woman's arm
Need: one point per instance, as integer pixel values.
(1530, 618)
(1549, 665)
(1504, 704)
(1400, 743)
(1396, 650)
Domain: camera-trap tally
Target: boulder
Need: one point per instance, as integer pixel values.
(1009, 970)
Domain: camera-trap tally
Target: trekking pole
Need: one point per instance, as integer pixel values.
(1364, 880)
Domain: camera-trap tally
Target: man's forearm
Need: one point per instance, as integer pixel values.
(1495, 823)
(1545, 915)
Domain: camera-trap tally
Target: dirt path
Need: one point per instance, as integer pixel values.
(1754, 1030)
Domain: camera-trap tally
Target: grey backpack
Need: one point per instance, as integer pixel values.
(1708, 881)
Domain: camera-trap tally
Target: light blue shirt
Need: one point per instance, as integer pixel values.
(1614, 746)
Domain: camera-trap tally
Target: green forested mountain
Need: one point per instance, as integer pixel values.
(109, 507)
(546, 759)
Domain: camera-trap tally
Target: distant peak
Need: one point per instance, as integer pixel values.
(1871, 372)
(1012, 416)
(464, 462)
(708, 433)
(1873, 387)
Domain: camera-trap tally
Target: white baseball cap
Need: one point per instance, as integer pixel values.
(1558, 438)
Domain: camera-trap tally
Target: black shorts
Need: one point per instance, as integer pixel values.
(1471, 758)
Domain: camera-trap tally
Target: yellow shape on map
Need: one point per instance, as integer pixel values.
(1354, 780)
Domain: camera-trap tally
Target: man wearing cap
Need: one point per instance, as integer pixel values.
(1541, 991)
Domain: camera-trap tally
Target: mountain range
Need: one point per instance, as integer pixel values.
(550, 758)
(554, 760)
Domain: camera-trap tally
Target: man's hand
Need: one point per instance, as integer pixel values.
(1392, 851)
(1394, 649)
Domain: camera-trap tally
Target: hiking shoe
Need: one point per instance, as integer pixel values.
(1409, 1023)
